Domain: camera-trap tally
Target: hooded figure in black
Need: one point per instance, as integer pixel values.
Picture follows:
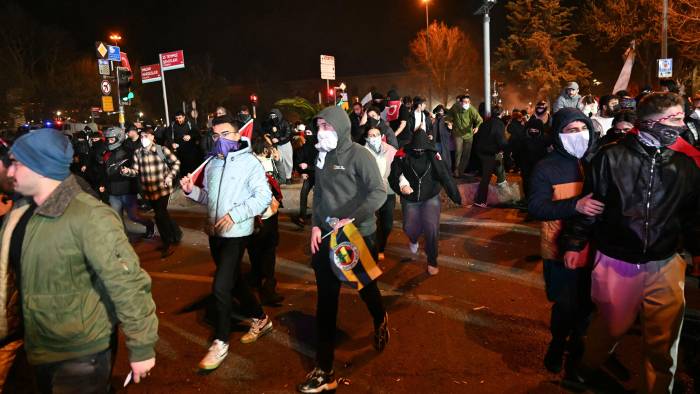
(183, 138)
(305, 165)
(531, 148)
(555, 197)
(418, 174)
(280, 134)
(442, 136)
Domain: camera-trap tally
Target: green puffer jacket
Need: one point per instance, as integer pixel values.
(463, 121)
(81, 278)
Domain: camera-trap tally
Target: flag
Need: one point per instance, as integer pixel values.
(366, 99)
(392, 110)
(351, 261)
(247, 130)
(624, 78)
(198, 174)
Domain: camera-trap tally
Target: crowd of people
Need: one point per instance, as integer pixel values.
(615, 181)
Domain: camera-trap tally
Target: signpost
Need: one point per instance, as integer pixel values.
(107, 104)
(103, 67)
(169, 61)
(665, 68)
(150, 73)
(328, 69)
(101, 50)
(106, 87)
(113, 53)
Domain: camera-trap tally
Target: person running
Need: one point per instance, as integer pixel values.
(490, 143)
(418, 173)
(348, 186)
(232, 207)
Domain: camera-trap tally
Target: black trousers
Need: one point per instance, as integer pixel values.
(570, 292)
(261, 250)
(385, 221)
(169, 231)
(489, 165)
(83, 375)
(328, 287)
(227, 254)
(304, 195)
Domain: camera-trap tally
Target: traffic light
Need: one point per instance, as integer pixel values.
(254, 99)
(331, 92)
(129, 96)
(124, 77)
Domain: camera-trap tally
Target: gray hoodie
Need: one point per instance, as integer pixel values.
(349, 185)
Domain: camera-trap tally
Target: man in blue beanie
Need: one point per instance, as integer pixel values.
(72, 264)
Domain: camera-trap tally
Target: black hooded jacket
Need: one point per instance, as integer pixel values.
(278, 128)
(115, 183)
(556, 183)
(426, 172)
(652, 201)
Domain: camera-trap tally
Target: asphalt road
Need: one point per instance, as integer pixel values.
(481, 325)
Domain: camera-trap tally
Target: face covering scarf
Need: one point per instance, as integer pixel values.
(222, 147)
(375, 143)
(575, 143)
(327, 141)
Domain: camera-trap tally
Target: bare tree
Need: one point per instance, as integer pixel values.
(446, 60)
(684, 27)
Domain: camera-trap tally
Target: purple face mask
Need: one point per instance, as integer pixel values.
(223, 146)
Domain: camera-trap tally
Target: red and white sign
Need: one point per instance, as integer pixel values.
(172, 60)
(150, 73)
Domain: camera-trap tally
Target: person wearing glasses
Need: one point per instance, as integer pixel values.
(235, 190)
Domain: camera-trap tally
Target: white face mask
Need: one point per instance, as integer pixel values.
(327, 141)
(146, 142)
(301, 127)
(375, 143)
(466, 106)
(575, 143)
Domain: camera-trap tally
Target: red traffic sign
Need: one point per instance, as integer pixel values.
(150, 73)
(172, 60)
(106, 87)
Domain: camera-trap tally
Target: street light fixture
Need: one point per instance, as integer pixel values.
(58, 113)
(484, 10)
(116, 38)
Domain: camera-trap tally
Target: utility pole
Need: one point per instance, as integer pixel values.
(484, 10)
(427, 56)
(664, 32)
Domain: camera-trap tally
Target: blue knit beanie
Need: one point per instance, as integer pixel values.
(45, 151)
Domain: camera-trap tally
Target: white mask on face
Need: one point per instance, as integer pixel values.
(375, 143)
(466, 106)
(302, 127)
(327, 141)
(575, 143)
(146, 142)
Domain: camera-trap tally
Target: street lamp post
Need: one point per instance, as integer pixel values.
(484, 10)
(115, 37)
(427, 55)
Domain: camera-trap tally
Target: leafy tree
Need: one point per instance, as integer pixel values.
(443, 60)
(540, 50)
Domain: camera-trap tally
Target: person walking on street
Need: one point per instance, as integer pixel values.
(235, 191)
(649, 182)
(372, 119)
(418, 174)
(307, 163)
(122, 189)
(348, 186)
(442, 136)
(464, 120)
(490, 144)
(78, 279)
(157, 167)
(555, 197)
(383, 153)
(182, 138)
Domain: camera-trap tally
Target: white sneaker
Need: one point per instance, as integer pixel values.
(413, 247)
(432, 271)
(215, 356)
(259, 328)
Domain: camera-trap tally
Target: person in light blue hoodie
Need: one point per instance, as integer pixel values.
(235, 190)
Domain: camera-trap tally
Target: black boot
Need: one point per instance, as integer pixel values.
(554, 358)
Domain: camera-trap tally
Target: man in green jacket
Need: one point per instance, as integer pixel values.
(77, 275)
(464, 120)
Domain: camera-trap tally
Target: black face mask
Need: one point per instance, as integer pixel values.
(533, 132)
(417, 152)
(540, 110)
(372, 122)
(665, 134)
(244, 117)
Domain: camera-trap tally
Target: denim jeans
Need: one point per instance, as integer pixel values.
(83, 375)
(129, 203)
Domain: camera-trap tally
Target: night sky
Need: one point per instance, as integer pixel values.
(272, 39)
